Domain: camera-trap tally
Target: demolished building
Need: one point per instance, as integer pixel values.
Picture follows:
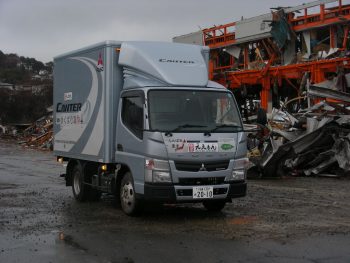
(295, 62)
(266, 57)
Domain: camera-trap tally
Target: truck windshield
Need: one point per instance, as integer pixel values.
(193, 111)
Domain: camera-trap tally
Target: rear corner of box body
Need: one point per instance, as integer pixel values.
(114, 85)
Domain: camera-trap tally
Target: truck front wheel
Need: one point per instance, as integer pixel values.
(128, 201)
(79, 189)
(214, 205)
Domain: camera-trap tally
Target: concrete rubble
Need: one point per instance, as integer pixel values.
(312, 141)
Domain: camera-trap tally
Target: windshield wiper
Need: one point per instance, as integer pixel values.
(227, 126)
(187, 126)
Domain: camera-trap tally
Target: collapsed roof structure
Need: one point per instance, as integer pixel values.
(274, 56)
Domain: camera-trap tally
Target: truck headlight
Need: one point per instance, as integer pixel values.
(239, 170)
(161, 177)
(157, 171)
(237, 175)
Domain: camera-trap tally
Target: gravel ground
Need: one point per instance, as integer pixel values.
(280, 220)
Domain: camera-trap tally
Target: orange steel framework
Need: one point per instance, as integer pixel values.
(224, 36)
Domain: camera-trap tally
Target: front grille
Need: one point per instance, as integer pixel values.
(201, 166)
(201, 181)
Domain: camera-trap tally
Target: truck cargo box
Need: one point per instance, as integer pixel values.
(87, 83)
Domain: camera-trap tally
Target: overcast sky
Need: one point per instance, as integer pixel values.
(46, 28)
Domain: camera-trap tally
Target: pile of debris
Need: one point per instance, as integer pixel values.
(313, 141)
(39, 134)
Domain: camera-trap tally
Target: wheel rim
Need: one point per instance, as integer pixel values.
(127, 196)
(76, 183)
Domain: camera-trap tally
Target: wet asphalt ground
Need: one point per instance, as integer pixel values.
(281, 220)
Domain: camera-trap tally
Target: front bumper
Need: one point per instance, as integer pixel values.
(179, 193)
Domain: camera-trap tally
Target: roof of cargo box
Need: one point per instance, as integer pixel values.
(90, 47)
(173, 64)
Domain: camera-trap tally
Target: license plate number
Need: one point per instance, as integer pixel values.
(202, 192)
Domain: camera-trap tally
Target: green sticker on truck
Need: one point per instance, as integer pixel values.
(226, 146)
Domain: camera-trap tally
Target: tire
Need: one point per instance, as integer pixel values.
(214, 206)
(128, 201)
(80, 191)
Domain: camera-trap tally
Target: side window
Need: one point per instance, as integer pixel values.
(132, 115)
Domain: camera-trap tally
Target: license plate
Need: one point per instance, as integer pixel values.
(202, 192)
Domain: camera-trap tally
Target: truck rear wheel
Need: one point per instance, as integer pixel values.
(79, 189)
(214, 205)
(128, 201)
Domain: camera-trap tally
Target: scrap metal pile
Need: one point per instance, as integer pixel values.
(313, 141)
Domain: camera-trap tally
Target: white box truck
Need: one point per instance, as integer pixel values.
(142, 121)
